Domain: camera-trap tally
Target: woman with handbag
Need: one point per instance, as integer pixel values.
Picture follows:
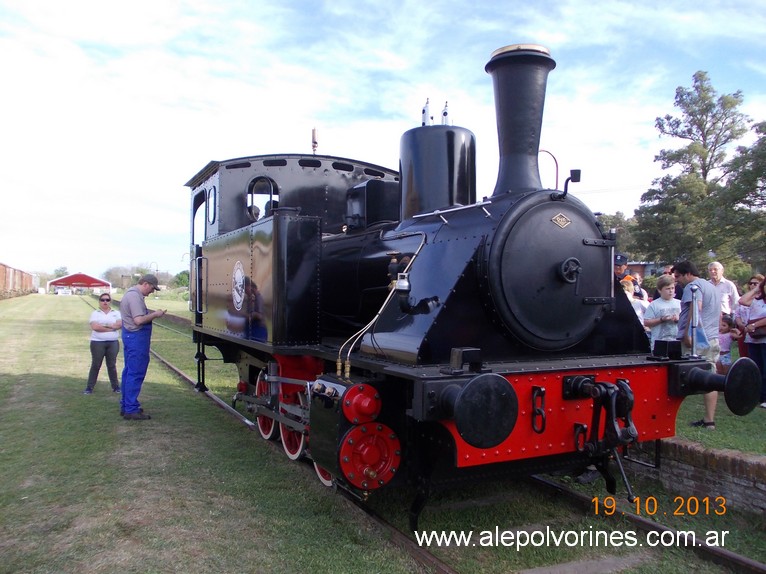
(742, 313)
(755, 330)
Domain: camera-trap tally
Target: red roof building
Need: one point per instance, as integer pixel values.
(78, 280)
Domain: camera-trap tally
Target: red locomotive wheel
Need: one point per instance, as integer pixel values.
(370, 455)
(266, 426)
(324, 476)
(293, 442)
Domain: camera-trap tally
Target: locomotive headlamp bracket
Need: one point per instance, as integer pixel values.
(574, 177)
(459, 356)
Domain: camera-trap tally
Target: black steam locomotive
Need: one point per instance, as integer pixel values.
(394, 329)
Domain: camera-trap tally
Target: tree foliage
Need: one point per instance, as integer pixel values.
(742, 204)
(181, 279)
(708, 123)
(624, 229)
(747, 189)
(666, 228)
(119, 276)
(686, 216)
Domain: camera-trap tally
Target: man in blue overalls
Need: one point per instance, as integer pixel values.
(136, 337)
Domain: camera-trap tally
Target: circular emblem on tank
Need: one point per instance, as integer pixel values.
(549, 273)
(238, 285)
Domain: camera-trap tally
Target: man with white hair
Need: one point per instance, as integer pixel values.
(727, 290)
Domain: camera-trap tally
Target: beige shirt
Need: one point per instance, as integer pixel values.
(132, 305)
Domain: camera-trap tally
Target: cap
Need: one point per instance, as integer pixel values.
(620, 259)
(628, 278)
(151, 280)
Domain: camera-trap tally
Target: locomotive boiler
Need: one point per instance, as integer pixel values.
(393, 328)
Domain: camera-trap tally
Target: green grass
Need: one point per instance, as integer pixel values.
(189, 491)
(732, 431)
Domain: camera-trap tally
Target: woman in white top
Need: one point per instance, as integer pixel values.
(755, 299)
(105, 324)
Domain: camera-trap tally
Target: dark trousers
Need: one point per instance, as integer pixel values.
(100, 350)
(757, 352)
(136, 356)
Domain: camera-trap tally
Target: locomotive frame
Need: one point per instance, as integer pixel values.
(394, 329)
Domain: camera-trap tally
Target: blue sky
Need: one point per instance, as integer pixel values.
(107, 109)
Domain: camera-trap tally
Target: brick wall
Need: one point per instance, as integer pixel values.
(687, 468)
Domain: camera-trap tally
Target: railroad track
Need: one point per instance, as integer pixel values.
(715, 554)
(432, 563)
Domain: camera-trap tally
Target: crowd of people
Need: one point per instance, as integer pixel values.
(722, 317)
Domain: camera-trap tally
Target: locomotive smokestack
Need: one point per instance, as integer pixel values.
(519, 73)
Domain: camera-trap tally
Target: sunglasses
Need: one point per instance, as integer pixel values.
(753, 283)
(105, 300)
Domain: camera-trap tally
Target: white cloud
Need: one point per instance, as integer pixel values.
(109, 109)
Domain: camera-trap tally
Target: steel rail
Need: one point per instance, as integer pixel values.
(715, 554)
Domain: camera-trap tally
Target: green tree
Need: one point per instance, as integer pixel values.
(742, 205)
(60, 272)
(181, 279)
(665, 226)
(707, 122)
(624, 228)
(680, 216)
(747, 188)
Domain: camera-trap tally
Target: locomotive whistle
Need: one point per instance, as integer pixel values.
(426, 114)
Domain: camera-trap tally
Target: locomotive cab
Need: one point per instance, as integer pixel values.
(257, 225)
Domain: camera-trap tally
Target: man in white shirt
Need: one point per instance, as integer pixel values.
(727, 290)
